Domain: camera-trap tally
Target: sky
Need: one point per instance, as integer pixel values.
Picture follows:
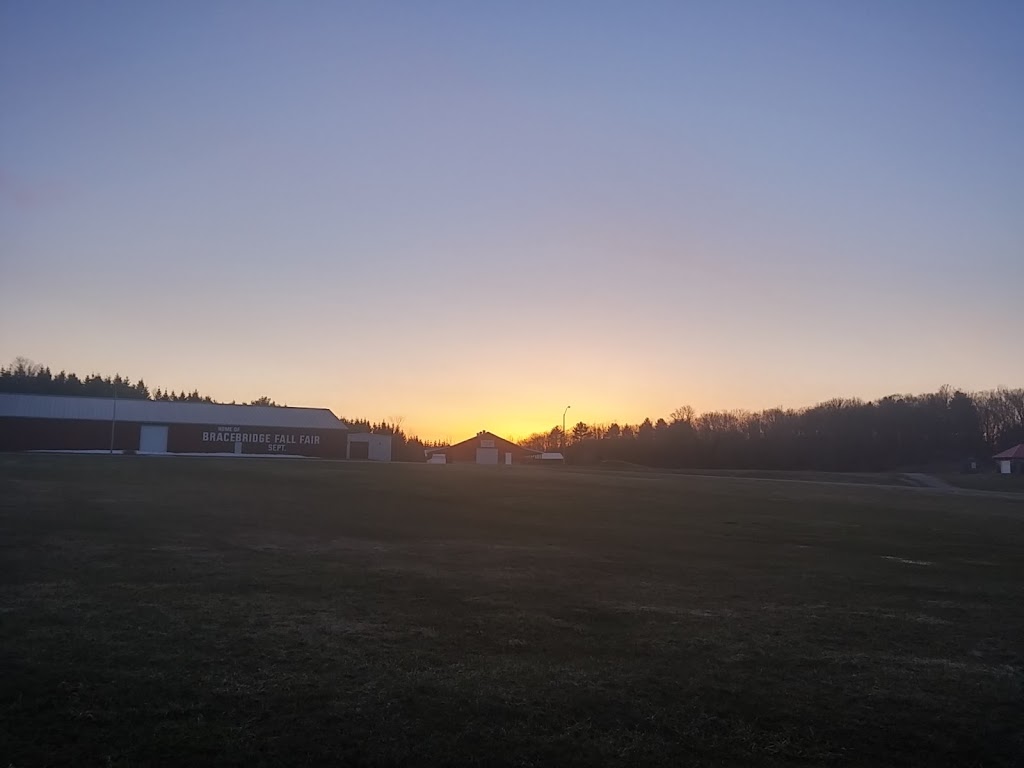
(469, 215)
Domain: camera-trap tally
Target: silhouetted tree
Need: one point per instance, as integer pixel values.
(580, 432)
(683, 413)
(898, 431)
(27, 377)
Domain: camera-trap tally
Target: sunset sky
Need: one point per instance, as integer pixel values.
(470, 215)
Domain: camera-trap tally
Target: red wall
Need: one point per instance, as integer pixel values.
(324, 443)
(466, 450)
(17, 434)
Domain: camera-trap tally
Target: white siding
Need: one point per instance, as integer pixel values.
(486, 455)
(152, 439)
(379, 445)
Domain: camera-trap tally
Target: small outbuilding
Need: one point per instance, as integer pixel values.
(369, 447)
(548, 458)
(1011, 461)
(485, 448)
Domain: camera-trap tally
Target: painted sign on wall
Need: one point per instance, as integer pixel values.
(271, 441)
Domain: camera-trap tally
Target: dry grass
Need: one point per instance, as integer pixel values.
(187, 611)
(844, 478)
(987, 481)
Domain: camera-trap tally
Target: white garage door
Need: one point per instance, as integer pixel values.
(486, 455)
(153, 439)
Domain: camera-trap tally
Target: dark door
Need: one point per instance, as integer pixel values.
(359, 450)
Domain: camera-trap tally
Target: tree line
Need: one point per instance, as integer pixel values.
(28, 378)
(943, 428)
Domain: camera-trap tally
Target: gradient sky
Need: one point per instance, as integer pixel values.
(471, 214)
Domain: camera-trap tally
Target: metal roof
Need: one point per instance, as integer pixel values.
(1017, 452)
(165, 412)
(480, 435)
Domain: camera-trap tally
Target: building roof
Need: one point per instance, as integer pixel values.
(486, 436)
(1017, 452)
(165, 412)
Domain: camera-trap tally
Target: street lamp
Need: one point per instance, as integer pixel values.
(113, 418)
(563, 425)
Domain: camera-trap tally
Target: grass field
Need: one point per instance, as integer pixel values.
(988, 481)
(845, 478)
(260, 612)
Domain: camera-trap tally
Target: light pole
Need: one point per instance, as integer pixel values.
(113, 418)
(563, 425)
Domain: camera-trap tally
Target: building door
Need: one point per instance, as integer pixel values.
(486, 455)
(152, 439)
(359, 450)
(508, 457)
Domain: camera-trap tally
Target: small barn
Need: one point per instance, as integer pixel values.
(484, 448)
(369, 447)
(1011, 461)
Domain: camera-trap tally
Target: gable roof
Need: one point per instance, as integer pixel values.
(165, 412)
(1017, 452)
(486, 436)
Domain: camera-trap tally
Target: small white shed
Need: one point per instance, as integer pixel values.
(369, 447)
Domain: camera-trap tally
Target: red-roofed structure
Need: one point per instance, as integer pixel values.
(485, 448)
(1017, 452)
(1011, 460)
